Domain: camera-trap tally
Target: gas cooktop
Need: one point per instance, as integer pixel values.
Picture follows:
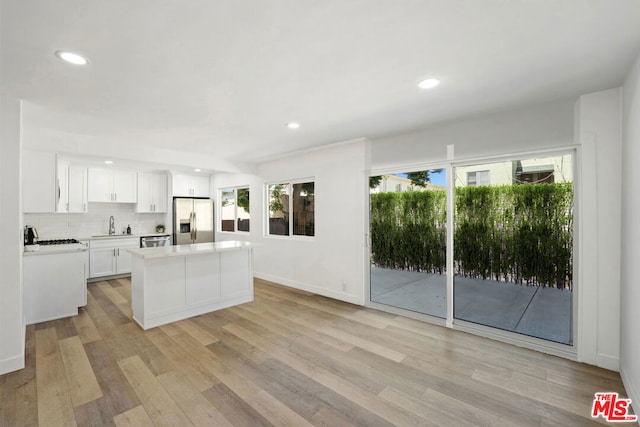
(58, 242)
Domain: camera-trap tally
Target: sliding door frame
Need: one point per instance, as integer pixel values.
(562, 350)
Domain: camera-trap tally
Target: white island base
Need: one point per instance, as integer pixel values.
(172, 283)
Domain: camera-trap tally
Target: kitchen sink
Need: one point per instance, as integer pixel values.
(113, 235)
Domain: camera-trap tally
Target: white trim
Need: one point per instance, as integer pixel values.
(339, 295)
(608, 361)
(520, 340)
(562, 350)
(12, 364)
(632, 391)
(296, 153)
(423, 317)
(235, 189)
(289, 183)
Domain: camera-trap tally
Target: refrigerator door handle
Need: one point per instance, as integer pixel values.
(191, 225)
(195, 227)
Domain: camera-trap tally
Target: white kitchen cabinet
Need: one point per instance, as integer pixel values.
(152, 192)
(191, 185)
(54, 285)
(112, 185)
(77, 188)
(71, 183)
(170, 284)
(38, 181)
(123, 256)
(111, 256)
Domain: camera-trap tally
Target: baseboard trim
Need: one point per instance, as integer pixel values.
(13, 364)
(632, 391)
(342, 296)
(609, 362)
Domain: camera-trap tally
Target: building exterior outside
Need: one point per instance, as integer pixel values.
(537, 170)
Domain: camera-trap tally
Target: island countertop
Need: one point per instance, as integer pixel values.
(186, 250)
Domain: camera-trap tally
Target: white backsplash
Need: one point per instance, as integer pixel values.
(96, 221)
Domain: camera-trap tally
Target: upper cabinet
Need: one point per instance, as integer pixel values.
(71, 187)
(39, 192)
(190, 185)
(152, 192)
(112, 185)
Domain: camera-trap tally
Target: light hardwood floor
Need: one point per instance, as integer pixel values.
(288, 358)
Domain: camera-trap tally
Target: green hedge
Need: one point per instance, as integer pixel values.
(516, 233)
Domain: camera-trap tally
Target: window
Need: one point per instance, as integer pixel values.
(478, 178)
(296, 198)
(234, 209)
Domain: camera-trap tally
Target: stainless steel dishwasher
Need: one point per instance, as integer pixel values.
(155, 241)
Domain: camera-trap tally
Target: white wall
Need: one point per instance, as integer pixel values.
(332, 262)
(549, 126)
(543, 126)
(630, 285)
(599, 132)
(12, 326)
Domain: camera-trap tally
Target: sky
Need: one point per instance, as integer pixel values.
(437, 178)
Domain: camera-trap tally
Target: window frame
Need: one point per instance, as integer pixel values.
(235, 209)
(267, 215)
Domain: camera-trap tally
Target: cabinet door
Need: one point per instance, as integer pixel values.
(124, 257)
(235, 269)
(100, 185)
(182, 185)
(145, 192)
(102, 262)
(77, 189)
(62, 194)
(39, 191)
(124, 186)
(159, 192)
(202, 279)
(200, 185)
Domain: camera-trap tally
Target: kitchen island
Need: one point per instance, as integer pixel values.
(171, 283)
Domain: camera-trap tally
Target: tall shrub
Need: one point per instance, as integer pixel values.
(516, 233)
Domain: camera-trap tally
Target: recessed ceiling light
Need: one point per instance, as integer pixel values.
(428, 83)
(72, 58)
(293, 125)
(197, 170)
(108, 161)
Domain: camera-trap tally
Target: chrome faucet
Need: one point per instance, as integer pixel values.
(112, 225)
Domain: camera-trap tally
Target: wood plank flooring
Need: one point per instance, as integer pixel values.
(289, 358)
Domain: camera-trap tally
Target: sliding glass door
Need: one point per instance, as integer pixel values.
(513, 246)
(512, 252)
(408, 241)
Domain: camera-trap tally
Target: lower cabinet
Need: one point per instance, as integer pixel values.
(54, 285)
(108, 257)
(167, 289)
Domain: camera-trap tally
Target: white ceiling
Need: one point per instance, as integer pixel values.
(221, 78)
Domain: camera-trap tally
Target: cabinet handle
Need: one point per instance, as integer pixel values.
(67, 206)
(84, 207)
(115, 196)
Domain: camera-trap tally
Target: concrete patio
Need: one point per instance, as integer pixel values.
(530, 310)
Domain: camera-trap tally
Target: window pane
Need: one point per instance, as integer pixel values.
(408, 241)
(227, 210)
(243, 209)
(513, 246)
(303, 209)
(279, 209)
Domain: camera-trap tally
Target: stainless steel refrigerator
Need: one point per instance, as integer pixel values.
(192, 220)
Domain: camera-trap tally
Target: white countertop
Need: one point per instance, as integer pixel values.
(123, 236)
(185, 250)
(56, 249)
